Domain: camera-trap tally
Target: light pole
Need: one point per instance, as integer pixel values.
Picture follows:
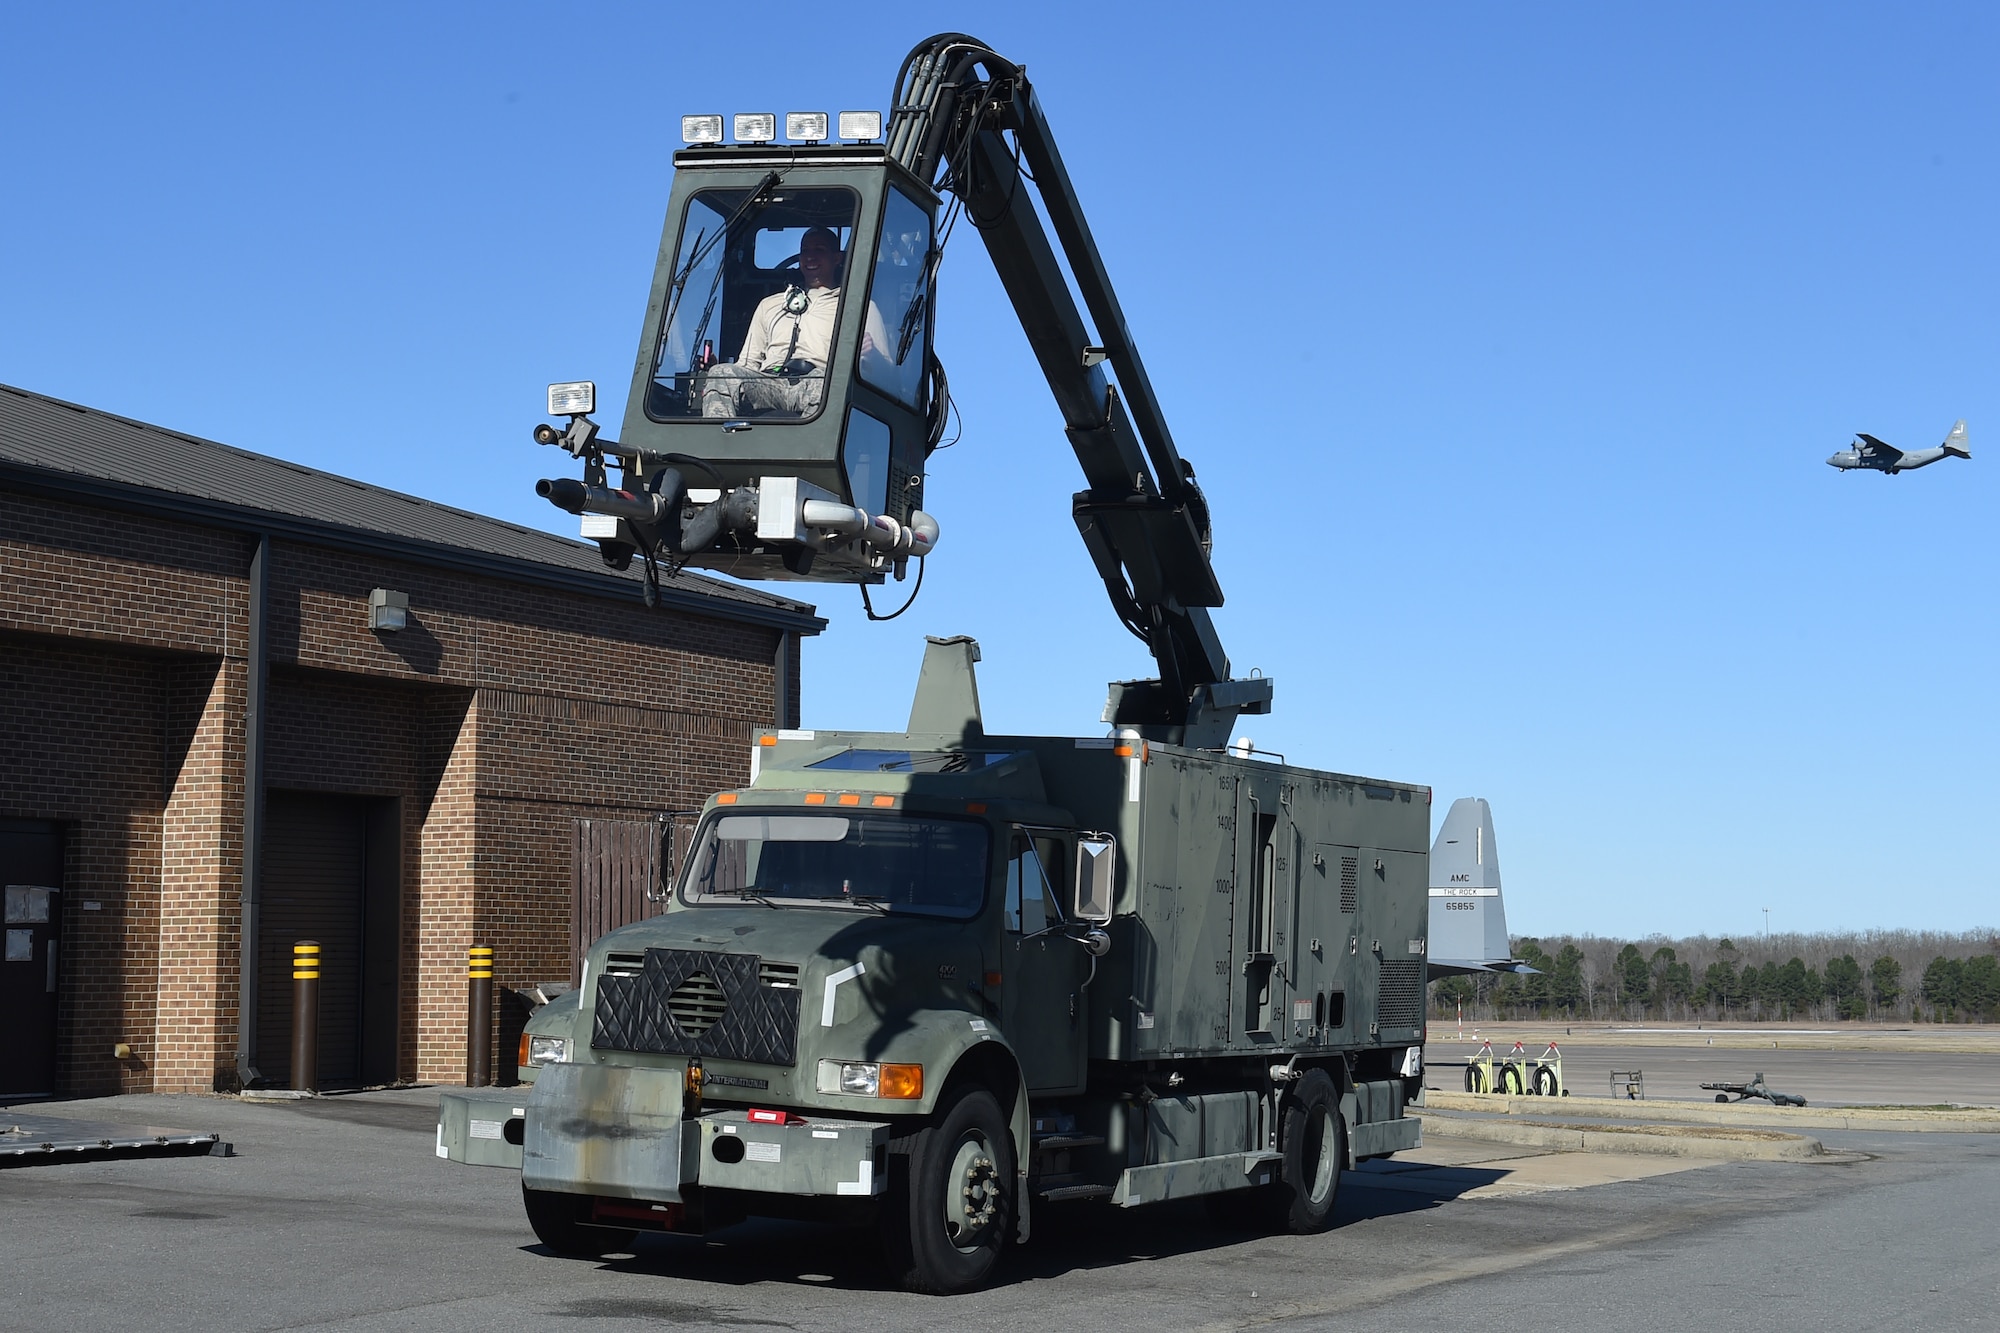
(1767, 923)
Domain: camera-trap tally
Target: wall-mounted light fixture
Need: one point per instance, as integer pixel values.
(388, 610)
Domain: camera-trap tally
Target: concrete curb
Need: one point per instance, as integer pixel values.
(1734, 1113)
(1741, 1145)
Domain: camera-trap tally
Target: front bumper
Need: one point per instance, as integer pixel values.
(619, 1132)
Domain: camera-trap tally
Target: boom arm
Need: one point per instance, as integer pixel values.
(1143, 519)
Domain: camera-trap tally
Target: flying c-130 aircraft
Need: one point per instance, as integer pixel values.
(1869, 452)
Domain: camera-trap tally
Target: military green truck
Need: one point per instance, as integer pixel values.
(936, 980)
(933, 980)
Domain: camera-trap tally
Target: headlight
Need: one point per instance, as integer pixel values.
(547, 1051)
(868, 1079)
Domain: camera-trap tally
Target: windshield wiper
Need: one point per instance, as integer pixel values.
(751, 894)
(752, 205)
(875, 901)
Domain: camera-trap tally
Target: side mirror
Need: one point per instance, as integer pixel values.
(1096, 876)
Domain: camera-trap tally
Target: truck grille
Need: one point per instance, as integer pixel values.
(1350, 883)
(1400, 1003)
(693, 1002)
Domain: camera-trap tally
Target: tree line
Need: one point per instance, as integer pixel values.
(1908, 976)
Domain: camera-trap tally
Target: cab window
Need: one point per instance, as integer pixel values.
(753, 305)
(1033, 904)
(896, 335)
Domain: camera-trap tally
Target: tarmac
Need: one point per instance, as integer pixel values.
(336, 1214)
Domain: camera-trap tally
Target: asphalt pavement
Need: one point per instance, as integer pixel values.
(337, 1214)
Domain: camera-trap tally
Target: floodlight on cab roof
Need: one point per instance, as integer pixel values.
(701, 129)
(756, 126)
(860, 126)
(805, 126)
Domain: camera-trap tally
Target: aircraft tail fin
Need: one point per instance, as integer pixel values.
(1468, 930)
(1955, 443)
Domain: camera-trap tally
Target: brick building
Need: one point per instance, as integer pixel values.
(182, 623)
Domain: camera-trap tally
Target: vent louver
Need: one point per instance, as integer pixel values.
(696, 1003)
(1350, 883)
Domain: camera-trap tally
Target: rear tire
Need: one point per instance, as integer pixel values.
(950, 1204)
(1313, 1138)
(560, 1222)
(1474, 1081)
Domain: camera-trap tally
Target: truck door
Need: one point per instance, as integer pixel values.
(1042, 968)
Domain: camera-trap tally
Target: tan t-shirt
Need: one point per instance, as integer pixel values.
(768, 342)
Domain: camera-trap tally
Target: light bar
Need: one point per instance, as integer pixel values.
(805, 126)
(701, 129)
(573, 399)
(757, 127)
(861, 125)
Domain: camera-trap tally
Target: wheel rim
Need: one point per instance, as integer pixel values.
(971, 1194)
(1319, 1158)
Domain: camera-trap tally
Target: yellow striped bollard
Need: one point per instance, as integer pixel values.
(479, 1016)
(305, 1016)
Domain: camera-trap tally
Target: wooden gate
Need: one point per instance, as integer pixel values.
(615, 878)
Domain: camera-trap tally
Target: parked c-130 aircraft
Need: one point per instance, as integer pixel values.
(1869, 452)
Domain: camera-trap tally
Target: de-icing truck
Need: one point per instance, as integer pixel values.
(935, 981)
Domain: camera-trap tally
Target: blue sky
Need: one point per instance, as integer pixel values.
(1508, 343)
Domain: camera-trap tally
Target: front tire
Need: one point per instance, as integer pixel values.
(951, 1196)
(560, 1222)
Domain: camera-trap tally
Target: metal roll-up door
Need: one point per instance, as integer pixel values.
(314, 888)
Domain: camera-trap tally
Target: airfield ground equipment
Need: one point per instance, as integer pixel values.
(934, 980)
(1516, 1074)
(1629, 1084)
(1756, 1087)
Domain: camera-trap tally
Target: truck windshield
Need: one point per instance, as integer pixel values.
(883, 862)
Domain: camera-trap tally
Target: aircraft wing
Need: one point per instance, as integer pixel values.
(1875, 448)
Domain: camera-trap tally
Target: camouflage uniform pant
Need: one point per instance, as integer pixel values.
(737, 391)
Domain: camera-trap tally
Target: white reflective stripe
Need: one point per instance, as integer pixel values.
(832, 984)
(756, 763)
(865, 1185)
(1132, 778)
(442, 1150)
(792, 734)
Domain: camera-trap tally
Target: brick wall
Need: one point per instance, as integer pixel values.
(501, 714)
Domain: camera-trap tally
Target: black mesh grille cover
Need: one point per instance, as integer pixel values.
(1401, 1003)
(758, 1023)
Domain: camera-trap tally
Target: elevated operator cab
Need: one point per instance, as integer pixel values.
(784, 382)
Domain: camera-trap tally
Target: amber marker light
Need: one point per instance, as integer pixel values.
(903, 1082)
(522, 1058)
(815, 798)
(767, 740)
(849, 798)
(882, 801)
(727, 798)
(975, 807)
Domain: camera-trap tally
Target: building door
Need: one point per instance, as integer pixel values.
(330, 875)
(615, 879)
(31, 868)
